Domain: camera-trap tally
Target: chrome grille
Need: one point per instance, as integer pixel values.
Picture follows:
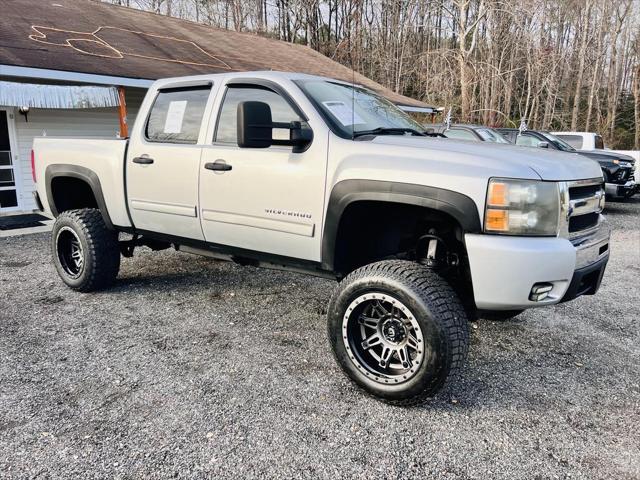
(582, 202)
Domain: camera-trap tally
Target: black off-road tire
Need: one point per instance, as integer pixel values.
(99, 250)
(432, 303)
(498, 315)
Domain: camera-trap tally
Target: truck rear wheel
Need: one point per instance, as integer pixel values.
(398, 330)
(85, 252)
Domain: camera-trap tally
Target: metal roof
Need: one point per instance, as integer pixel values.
(19, 94)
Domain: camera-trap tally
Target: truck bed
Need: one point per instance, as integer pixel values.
(103, 156)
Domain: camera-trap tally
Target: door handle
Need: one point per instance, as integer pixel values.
(143, 160)
(218, 166)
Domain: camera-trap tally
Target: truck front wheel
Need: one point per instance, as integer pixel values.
(398, 330)
(85, 252)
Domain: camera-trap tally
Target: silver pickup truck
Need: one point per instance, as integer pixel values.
(317, 176)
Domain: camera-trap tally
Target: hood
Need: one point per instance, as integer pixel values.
(603, 155)
(505, 160)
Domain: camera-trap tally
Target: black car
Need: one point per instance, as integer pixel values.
(618, 169)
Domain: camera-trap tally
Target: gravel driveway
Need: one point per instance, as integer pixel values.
(194, 368)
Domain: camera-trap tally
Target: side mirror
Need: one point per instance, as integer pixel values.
(300, 137)
(255, 129)
(543, 145)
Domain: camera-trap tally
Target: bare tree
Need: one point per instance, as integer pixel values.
(560, 63)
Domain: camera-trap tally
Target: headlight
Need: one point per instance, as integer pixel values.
(622, 163)
(522, 207)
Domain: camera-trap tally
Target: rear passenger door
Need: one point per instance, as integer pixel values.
(163, 162)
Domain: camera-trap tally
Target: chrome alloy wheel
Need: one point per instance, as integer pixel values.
(382, 338)
(70, 252)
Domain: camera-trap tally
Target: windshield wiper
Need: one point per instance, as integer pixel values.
(390, 131)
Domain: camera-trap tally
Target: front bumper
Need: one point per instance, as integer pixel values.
(504, 269)
(586, 280)
(625, 190)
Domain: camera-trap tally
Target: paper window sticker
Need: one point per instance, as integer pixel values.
(175, 116)
(343, 113)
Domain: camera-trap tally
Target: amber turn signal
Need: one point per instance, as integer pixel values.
(497, 220)
(498, 194)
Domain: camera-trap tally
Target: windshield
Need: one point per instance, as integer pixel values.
(558, 142)
(490, 135)
(351, 110)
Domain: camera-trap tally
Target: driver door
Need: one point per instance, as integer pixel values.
(268, 200)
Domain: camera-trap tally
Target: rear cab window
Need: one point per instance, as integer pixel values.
(574, 140)
(176, 115)
(599, 143)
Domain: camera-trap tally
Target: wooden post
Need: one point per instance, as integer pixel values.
(122, 113)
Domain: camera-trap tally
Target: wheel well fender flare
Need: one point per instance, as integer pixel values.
(459, 206)
(80, 173)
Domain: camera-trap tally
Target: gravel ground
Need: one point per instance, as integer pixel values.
(194, 368)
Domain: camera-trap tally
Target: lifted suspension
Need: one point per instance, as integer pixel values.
(127, 247)
(432, 251)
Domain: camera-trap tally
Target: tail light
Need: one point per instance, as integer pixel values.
(33, 166)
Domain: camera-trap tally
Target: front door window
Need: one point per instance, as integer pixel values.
(281, 112)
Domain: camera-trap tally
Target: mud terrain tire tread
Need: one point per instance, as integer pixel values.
(430, 290)
(100, 245)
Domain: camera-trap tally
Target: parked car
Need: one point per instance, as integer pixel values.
(313, 175)
(618, 169)
(461, 131)
(592, 141)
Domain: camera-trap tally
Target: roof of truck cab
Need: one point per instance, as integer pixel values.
(272, 75)
(92, 37)
(267, 74)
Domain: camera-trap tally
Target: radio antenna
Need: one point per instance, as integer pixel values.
(353, 91)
